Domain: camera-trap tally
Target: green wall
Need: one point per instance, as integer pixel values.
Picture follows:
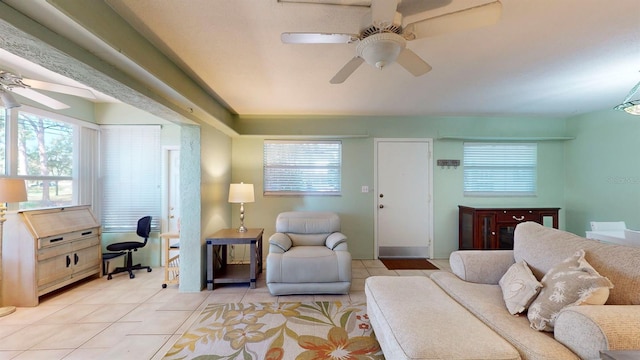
(603, 171)
(358, 133)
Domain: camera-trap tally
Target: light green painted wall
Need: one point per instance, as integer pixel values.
(603, 174)
(357, 209)
(215, 168)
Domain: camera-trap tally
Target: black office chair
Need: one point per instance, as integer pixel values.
(144, 228)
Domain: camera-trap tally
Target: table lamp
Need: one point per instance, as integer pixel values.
(11, 190)
(241, 193)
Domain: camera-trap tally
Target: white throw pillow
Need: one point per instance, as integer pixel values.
(519, 287)
(572, 282)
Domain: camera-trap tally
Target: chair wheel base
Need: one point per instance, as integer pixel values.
(109, 277)
(164, 286)
(131, 276)
(148, 269)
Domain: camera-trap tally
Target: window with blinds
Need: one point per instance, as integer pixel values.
(130, 176)
(302, 167)
(500, 169)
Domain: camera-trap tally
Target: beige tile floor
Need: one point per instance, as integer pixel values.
(135, 318)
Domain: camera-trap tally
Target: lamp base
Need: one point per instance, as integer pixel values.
(6, 310)
(242, 228)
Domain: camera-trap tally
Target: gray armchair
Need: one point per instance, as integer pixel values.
(308, 255)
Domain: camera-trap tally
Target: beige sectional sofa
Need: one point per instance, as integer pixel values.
(439, 326)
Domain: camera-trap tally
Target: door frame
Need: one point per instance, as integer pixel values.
(429, 164)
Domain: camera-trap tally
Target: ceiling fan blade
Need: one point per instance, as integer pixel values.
(383, 12)
(63, 89)
(41, 98)
(347, 70)
(317, 38)
(466, 19)
(413, 63)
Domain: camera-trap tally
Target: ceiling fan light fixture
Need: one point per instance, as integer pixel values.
(8, 100)
(630, 107)
(381, 49)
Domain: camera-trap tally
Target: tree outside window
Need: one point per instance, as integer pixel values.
(45, 160)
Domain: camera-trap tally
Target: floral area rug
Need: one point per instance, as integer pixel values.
(279, 331)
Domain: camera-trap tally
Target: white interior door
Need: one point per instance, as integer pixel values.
(403, 198)
(171, 197)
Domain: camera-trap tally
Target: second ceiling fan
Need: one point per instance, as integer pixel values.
(13, 82)
(384, 40)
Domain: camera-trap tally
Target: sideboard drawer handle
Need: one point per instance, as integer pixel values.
(518, 218)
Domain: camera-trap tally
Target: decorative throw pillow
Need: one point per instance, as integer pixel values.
(572, 282)
(519, 287)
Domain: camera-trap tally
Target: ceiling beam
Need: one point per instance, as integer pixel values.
(178, 98)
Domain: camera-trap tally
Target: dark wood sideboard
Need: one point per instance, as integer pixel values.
(493, 228)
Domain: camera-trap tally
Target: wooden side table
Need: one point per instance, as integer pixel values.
(172, 263)
(219, 272)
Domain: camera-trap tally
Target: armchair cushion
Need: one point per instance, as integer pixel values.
(306, 264)
(306, 228)
(307, 222)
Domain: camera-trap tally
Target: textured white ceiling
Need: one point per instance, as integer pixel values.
(544, 57)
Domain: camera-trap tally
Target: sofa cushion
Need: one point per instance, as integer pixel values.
(519, 287)
(485, 302)
(542, 248)
(414, 319)
(572, 282)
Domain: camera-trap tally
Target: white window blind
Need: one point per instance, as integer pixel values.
(302, 167)
(502, 169)
(130, 176)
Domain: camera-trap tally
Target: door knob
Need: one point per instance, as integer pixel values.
(381, 206)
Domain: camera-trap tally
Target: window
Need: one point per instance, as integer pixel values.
(41, 147)
(500, 169)
(302, 167)
(131, 176)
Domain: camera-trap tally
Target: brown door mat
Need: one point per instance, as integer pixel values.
(408, 264)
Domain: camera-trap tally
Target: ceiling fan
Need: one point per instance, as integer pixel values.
(11, 82)
(384, 39)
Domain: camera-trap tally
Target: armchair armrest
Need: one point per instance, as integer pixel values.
(335, 239)
(587, 329)
(481, 266)
(279, 242)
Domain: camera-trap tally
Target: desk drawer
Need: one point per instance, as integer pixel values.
(56, 240)
(517, 216)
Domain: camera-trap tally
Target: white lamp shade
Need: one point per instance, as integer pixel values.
(12, 190)
(241, 193)
(633, 109)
